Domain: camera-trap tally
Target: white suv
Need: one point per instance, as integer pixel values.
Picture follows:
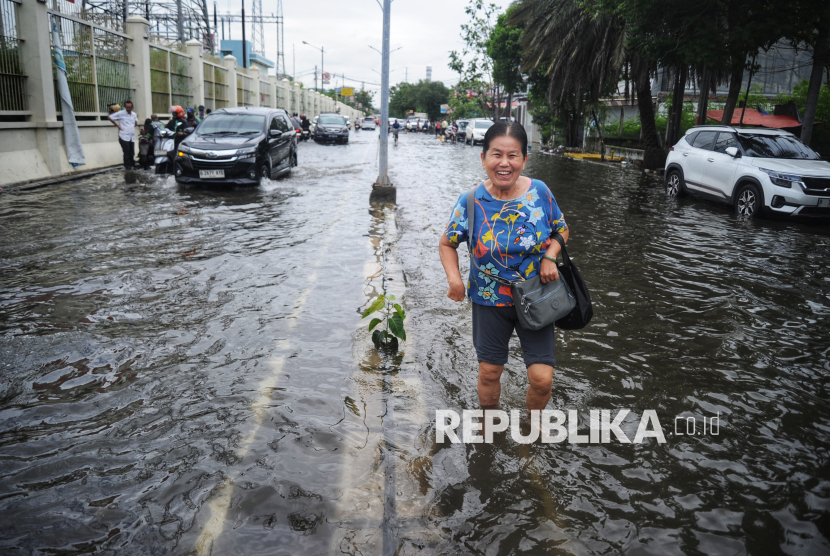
(475, 130)
(754, 169)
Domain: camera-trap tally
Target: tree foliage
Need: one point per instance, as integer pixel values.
(424, 96)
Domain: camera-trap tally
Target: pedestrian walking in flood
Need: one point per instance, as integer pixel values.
(126, 120)
(515, 218)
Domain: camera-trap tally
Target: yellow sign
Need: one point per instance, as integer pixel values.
(347, 91)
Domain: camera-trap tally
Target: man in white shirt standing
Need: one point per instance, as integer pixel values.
(125, 120)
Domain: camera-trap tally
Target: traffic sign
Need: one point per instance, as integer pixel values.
(347, 91)
(326, 77)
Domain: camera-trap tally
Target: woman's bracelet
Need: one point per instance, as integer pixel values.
(548, 258)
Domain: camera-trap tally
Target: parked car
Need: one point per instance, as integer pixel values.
(462, 127)
(475, 130)
(237, 146)
(756, 170)
(368, 123)
(331, 127)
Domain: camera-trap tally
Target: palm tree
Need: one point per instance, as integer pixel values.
(584, 53)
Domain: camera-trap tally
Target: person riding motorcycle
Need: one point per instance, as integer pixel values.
(305, 122)
(177, 123)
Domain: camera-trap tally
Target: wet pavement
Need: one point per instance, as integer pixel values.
(185, 371)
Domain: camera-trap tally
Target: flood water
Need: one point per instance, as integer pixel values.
(185, 371)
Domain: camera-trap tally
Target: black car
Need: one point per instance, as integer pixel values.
(331, 127)
(238, 146)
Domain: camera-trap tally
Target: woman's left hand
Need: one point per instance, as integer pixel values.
(548, 271)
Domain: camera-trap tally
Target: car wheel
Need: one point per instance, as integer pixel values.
(264, 171)
(748, 201)
(675, 187)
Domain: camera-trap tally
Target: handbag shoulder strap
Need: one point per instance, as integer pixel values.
(566, 260)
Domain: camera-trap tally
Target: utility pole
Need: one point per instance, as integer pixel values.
(315, 78)
(406, 78)
(244, 50)
(383, 190)
(180, 20)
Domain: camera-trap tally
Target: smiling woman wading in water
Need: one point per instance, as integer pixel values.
(515, 217)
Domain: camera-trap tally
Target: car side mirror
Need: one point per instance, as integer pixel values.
(733, 152)
(275, 134)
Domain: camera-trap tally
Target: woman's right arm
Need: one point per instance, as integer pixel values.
(449, 258)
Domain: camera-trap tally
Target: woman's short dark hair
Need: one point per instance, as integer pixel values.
(504, 128)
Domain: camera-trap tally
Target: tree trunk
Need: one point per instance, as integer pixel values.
(820, 53)
(703, 101)
(677, 106)
(654, 157)
(735, 80)
(622, 121)
(509, 106)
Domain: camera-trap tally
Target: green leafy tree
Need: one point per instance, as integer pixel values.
(504, 47)
(364, 97)
(424, 96)
(473, 64)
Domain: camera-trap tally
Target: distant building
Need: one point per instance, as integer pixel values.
(429, 73)
(781, 68)
(234, 48)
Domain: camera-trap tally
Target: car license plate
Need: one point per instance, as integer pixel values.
(205, 174)
(160, 153)
(824, 202)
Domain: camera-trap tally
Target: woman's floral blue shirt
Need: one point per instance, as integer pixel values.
(509, 240)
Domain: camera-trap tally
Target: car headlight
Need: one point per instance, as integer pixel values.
(345, 129)
(184, 148)
(782, 180)
(247, 152)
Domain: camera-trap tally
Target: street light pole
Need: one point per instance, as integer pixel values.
(322, 60)
(383, 163)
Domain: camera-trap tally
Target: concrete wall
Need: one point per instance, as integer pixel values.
(23, 158)
(34, 149)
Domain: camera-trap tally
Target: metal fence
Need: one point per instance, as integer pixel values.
(180, 80)
(169, 80)
(244, 89)
(265, 93)
(106, 14)
(12, 77)
(160, 80)
(216, 88)
(76, 40)
(112, 68)
(97, 69)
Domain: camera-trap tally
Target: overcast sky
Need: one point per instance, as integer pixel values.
(427, 30)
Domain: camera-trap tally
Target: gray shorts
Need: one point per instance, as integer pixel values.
(492, 329)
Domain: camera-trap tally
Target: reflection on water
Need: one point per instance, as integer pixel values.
(186, 371)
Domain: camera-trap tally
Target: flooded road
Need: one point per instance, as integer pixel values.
(186, 371)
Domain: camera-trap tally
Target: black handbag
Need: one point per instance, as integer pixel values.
(581, 315)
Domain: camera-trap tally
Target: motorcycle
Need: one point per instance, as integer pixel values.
(450, 134)
(305, 136)
(165, 151)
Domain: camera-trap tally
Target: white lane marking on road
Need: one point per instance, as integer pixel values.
(220, 503)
